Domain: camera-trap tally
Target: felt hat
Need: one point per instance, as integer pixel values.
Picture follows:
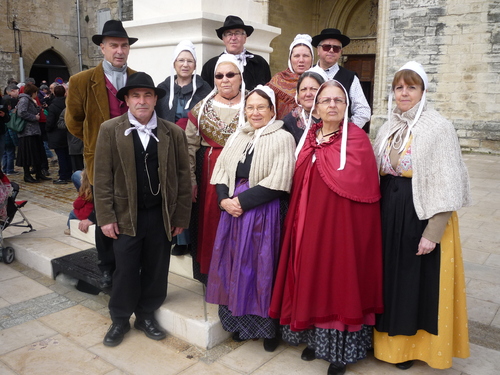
(115, 29)
(140, 80)
(331, 34)
(234, 22)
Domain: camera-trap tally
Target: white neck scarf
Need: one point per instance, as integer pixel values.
(145, 129)
(243, 56)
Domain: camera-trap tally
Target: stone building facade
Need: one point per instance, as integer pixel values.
(45, 32)
(457, 41)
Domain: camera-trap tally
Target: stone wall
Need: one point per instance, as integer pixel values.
(293, 17)
(457, 41)
(51, 24)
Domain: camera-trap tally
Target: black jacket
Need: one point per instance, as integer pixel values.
(58, 138)
(162, 109)
(256, 71)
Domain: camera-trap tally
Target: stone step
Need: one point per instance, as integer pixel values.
(184, 313)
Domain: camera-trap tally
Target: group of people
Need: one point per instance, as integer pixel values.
(41, 109)
(299, 228)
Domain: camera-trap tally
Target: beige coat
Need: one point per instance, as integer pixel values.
(87, 107)
(115, 185)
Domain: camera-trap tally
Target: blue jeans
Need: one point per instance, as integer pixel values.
(71, 216)
(8, 158)
(77, 179)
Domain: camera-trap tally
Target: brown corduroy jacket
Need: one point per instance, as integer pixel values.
(87, 107)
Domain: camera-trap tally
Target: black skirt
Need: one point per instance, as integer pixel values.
(411, 282)
(31, 152)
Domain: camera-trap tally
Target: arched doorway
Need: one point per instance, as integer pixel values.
(48, 66)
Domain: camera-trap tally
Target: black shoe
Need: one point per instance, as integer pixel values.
(151, 328)
(180, 250)
(236, 337)
(42, 177)
(336, 369)
(45, 172)
(106, 280)
(115, 334)
(30, 179)
(404, 365)
(308, 354)
(60, 182)
(270, 345)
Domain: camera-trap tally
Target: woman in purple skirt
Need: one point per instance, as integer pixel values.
(253, 171)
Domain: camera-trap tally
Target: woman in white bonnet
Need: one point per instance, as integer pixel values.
(423, 183)
(210, 124)
(184, 90)
(253, 171)
(284, 84)
(184, 87)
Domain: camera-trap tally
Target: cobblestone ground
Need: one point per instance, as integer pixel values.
(57, 198)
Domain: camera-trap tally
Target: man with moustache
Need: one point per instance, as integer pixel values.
(142, 199)
(91, 100)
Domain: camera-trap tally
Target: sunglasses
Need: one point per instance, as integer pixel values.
(328, 47)
(228, 75)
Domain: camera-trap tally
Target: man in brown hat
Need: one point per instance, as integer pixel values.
(329, 44)
(234, 34)
(91, 100)
(142, 195)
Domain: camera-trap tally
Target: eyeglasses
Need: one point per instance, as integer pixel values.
(328, 47)
(228, 75)
(230, 34)
(260, 109)
(326, 101)
(184, 61)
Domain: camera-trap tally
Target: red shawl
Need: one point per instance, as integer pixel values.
(357, 180)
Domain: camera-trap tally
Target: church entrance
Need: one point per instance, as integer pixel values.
(48, 66)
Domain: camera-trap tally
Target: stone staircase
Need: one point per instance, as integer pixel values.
(184, 313)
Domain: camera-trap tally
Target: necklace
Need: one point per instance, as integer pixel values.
(326, 135)
(229, 100)
(323, 136)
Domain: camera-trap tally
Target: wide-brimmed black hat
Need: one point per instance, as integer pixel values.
(140, 80)
(115, 29)
(234, 22)
(331, 34)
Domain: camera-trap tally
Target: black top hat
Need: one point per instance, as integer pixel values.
(140, 80)
(115, 29)
(234, 22)
(331, 34)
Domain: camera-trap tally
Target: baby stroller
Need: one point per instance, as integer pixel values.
(8, 208)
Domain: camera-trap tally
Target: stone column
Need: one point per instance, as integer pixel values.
(161, 25)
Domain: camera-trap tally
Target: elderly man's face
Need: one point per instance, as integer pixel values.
(115, 50)
(141, 102)
(234, 40)
(13, 93)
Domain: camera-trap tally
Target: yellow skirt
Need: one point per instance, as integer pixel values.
(453, 335)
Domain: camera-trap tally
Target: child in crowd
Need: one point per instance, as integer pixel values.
(83, 205)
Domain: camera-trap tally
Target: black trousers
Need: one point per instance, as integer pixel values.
(142, 262)
(104, 246)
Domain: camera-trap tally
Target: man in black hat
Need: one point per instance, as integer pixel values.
(91, 100)
(142, 195)
(234, 34)
(329, 44)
